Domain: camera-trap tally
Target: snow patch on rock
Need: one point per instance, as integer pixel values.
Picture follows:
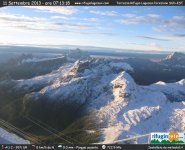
(10, 138)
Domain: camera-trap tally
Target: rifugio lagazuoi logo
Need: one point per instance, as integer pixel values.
(167, 137)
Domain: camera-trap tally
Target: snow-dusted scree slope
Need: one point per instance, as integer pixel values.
(123, 108)
(10, 138)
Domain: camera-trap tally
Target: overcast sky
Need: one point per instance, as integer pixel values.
(138, 28)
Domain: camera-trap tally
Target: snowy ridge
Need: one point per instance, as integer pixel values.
(149, 111)
(174, 91)
(83, 76)
(124, 108)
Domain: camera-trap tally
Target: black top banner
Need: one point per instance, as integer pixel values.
(92, 3)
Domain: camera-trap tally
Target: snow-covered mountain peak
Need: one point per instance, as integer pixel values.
(126, 84)
(89, 66)
(80, 66)
(160, 83)
(174, 60)
(182, 82)
(176, 56)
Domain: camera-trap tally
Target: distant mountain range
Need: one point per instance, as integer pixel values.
(60, 48)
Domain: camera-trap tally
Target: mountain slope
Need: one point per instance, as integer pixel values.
(148, 109)
(104, 88)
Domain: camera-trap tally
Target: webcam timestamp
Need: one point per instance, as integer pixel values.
(50, 3)
(36, 3)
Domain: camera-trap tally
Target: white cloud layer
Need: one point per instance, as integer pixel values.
(21, 22)
(161, 24)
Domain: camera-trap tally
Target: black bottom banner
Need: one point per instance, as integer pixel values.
(94, 147)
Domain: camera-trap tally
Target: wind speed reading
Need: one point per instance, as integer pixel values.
(36, 3)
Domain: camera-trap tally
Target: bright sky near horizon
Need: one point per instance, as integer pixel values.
(137, 28)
